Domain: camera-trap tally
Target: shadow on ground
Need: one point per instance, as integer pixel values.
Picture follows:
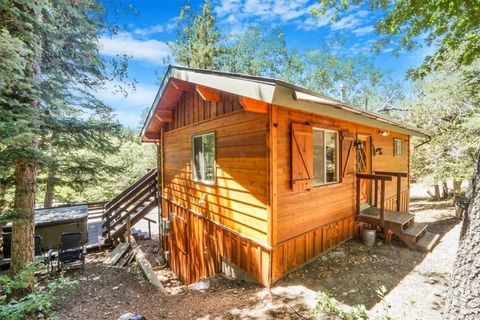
(351, 273)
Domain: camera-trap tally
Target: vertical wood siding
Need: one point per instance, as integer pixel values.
(199, 254)
(191, 108)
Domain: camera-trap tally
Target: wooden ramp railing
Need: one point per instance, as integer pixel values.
(129, 207)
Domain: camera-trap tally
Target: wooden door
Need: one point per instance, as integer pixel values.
(364, 165)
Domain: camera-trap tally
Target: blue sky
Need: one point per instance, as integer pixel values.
(145, 36)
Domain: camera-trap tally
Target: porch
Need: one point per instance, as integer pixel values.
(392, 222)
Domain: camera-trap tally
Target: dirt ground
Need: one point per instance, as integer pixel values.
(416, 283)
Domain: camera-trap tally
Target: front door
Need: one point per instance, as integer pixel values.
(364, 165)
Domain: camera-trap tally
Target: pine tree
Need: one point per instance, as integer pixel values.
(198, 38)
(51, 67)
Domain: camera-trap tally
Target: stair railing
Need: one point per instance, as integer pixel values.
(119, 209)
(375, 178)
(399, 176)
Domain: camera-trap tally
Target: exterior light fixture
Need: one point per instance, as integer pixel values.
(384, 133)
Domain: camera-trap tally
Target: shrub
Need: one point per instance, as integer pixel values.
(32, 305)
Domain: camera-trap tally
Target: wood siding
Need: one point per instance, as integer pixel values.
(303, 211)
(191, 108)
(199, 254)
(295, 252)
(251, 216)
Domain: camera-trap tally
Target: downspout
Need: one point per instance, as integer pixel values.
(422, 143)
(159, 145)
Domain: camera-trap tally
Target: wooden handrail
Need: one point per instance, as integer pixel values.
(120, 219)
(399, 176)
(128, 203)
(131, 193)
(391, 173)
(148, 175)
(373, 177)
(376, 178)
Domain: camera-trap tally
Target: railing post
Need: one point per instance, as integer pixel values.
(399, 190)
(129, 226)
(357, 201)
(149, 230)
(376, 194)
(382, 202)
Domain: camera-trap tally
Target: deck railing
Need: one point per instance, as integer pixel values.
(399, 176)
(375, 178)
(130, 206)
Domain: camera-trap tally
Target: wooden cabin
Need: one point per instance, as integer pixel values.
(264, 176)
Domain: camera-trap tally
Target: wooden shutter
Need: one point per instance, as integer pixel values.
(347, 154)
(302, 157)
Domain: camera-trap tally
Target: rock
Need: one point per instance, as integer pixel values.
(132, 316)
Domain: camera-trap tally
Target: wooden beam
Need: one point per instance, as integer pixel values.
(181, 85)
(208, 94)
(253, 105)
(152, 136)
(164, 115)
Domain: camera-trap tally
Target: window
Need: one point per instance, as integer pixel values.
(397, 147)
(204, 158)
(325, 156)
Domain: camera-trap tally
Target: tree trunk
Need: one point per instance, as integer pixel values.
(457, 188)
(444, 190)
(23, 229)
(463, 300)
(50, 189)
(436, 197)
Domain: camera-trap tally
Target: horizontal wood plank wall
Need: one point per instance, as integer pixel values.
(238, 199)
(197, 245)
(191, 108)
(293, 253)
(301, 212)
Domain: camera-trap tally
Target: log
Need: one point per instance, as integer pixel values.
(117, 253)
(146, 267)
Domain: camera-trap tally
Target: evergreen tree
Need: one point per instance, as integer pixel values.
(47, 93)
(448, 25)
(198, 38)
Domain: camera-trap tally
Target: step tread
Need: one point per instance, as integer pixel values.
(427, 241)
(390, 216)
(415, 229)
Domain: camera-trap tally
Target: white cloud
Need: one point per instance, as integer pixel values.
(350, 21)
(235, 11)
(158, 28)
(128, 109)
(363, 30)
(312, 22)
(226, 7)
(153, 51)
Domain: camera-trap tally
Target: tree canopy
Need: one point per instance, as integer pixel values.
(51, 69)
(447, 25)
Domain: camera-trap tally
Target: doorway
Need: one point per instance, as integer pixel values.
(364, 165)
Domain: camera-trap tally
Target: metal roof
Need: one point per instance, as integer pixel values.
(281, 93)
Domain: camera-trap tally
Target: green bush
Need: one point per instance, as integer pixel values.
(328, 305)
(32, 305)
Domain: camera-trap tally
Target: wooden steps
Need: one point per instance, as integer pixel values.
(427, 242)
(413, 234)
(129, 207)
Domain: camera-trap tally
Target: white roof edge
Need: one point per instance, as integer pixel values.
(299, 100)
(280, 93)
